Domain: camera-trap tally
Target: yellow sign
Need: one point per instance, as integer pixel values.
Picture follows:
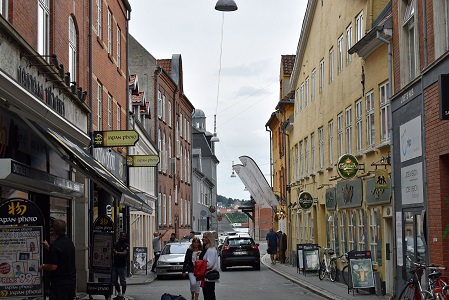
(382, 179)
(142, 160)
(115, 138)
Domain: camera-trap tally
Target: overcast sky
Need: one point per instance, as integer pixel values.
(245, 90)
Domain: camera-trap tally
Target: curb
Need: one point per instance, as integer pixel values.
(313, 288)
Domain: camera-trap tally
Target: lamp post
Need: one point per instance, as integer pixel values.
(226, 5)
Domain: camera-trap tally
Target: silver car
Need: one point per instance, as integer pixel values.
(171, 259)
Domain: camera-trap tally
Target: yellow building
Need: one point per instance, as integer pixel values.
(341, 79)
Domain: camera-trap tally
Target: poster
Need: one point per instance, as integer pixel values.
(20, 257)
(311, 259)
(102, 249)
(140, 258)
(362, 273)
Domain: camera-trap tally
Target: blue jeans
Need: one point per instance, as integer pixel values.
(119, 272)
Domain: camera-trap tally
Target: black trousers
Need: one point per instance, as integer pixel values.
(156, 257)
(209, 290)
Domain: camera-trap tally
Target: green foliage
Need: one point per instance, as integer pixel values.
(237, 217)
(227, 202)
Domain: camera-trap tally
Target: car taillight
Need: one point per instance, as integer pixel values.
(225, 248)
(255, 247)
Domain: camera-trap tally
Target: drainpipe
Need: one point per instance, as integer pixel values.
(287, 192)
(389, 92)
(271, 170)
(91, 184)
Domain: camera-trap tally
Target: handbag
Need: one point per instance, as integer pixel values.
(199, 269)
(213, 275)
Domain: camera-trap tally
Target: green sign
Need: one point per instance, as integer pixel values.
(305, 200)
(115, 138)
(347, 166)
(142, 160)
(361, 273)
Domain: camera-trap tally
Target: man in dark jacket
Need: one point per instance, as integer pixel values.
(121, 250)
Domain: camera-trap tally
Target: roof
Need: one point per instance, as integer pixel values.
(165, 64)
(288, 62)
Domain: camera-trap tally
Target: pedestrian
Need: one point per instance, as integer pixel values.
(157, 248)
(209, 254)
(272, 243)
(121, 250)
(192, 236)
(60, 264)
(192, 254)
(172, 238)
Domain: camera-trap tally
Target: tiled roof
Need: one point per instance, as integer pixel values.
(165, 64)
(132, 79)
(287, 63)
(138, 99)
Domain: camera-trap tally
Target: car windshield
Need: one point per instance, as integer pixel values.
(237, 242)
(175, 248)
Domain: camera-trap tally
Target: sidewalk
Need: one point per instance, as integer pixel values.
(325, 288)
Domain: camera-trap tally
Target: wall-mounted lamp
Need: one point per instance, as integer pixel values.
(323, 185)
(215, 139)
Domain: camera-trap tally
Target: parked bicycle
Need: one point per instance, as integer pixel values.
(328, 265)
(437, 288)
(345, 270)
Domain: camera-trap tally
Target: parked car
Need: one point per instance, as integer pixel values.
(239, 251)
(171, 260)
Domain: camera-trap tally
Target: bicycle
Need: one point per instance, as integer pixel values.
(328, 266)
(345, 270)
(437, 287)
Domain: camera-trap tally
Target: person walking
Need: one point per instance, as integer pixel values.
(157, 248)
(60, 264)
(209, 254)
(272, 243)
(172, 238)
(121, 250)
(192, 254)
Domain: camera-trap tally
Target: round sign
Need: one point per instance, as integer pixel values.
(305, 200)
(347, 166)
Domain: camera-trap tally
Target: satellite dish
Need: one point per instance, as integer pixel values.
(203, 213)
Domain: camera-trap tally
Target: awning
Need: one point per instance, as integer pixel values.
(91, 168)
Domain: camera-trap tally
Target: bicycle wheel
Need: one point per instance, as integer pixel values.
(408, 292)
(322, 271)
(333, 269)
(345, 274)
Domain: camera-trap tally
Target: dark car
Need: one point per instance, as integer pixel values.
(239, 251)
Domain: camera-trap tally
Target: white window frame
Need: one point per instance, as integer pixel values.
(119, 117)
(348, 44)
(331, 65)
(99, 106)
(351, 230)
(301, 160)
(163, 108)
(301, 102)
(321, 146)
(370, 123)
(321, 75)
(99, 19)
(159, 104)
(358, 125)
(297, 100)
(359, 27)
(343, 237)
(169, 114)
(348, 115)
(159, 208)
(361, 230)
(340, 134)
(306, 156)
(373, 233)
(43, 28)
(109, 32)
(306, 87)
(4, 8)
(340, 48)
(384, 112)
(72, 48)
(312, 152)
(119, 47)
(109, 112)
(331, 142)
(313, 85)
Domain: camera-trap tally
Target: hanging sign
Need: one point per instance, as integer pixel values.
(142, 160)
(347, 166)
(305, 200)
(382, 179)
(115, 138)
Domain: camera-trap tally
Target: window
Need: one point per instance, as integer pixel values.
(296, 163)
(109, 112)
(99, 19)
(358, 125)
(72, 48)
(333, 226)
(307, 92)
(119, 48)
(343, 237)
(348, 114)
(348, 44)
(331, 143)
(373, 233)
(321, 75)
(321, 147)
(340, 54)
(306, 158)
(180, 125)
(169, 114)
(4, 8)
(164, 153)
(301, 102)
(159, 104)
(340, 135)
(313, 85)
(159, 146)
(409, 29)
(109, 32)
(119, 117)
(43, 27)
(359, 30)
(331, 65)
(301, 153)
(178, 142)
(370, 120)
(312, 151)
(361, 230)
(99, 106)
(351, 230)
(159, 211)
(163, 108)
(384, 113)
(297, 102)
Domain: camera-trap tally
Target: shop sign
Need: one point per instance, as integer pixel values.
(410, 139)
(305, 200)
(349, 193)
(382, 179)
(142, 160)
(361, 269)
(112, 161)
(374, 195)
(347, 166)
(115, 138)
(140, 258)
(331, 199)
(103, 240)
(412, 184)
